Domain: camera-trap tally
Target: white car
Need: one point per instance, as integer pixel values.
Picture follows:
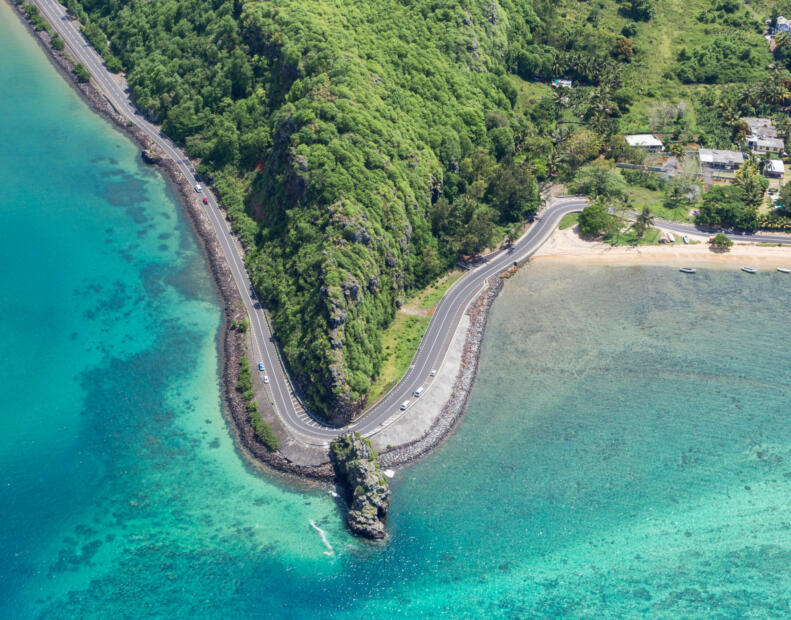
(198, 188)
(433, 373)
(266, 379)
(404, 405)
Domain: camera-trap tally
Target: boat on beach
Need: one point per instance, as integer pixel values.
(749, 270)
(783, 270)
(687, 270)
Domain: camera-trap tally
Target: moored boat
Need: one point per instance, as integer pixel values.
(783, 270)
(748, 270)
(687, 270)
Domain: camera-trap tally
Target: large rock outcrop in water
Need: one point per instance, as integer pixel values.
(357, 470)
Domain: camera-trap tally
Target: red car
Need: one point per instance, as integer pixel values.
(205, 201)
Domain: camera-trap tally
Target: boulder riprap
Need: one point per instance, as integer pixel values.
(367, 492)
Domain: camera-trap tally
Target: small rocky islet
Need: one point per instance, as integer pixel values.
(363, 485)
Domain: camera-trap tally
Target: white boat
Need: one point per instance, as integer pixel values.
(783, 270)
(748, 270)
(686, 239)
(672, 237)
(688, 270)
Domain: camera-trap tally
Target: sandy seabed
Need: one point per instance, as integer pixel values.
(567, 246)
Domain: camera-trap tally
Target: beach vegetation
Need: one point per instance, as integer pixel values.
(57, 43)
(595, 221)
(244, 385)
(569, 220)
(643, 222)
(720, 241)
(35, 18)
(81, 72)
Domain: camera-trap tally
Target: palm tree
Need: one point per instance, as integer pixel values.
(677, 150)
(643, 222)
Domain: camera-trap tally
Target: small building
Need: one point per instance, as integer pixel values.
(774, 169)
(720, 160)
(557, 83)
(766, 145)
(760, 127)
(644, 141)
(783, 25)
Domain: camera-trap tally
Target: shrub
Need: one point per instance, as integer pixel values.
(81, 72)
(721, 242)
(595, 221)
(57, 43)
(262, 430)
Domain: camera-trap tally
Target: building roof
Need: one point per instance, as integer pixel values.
(760, 127)
(643, 139)
(754, 121)
(777, 144)
(564, 83)
(776, 166)
(716, 156)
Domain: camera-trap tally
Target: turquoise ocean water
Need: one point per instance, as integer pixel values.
(626, 452)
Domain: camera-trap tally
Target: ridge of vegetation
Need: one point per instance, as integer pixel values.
(361, 149)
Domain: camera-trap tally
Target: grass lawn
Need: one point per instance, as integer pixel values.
(652, 199)
(402, 337)
(399, 344)
(569, 220)
(629, 237)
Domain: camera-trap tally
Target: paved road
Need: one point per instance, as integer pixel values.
(446, 316)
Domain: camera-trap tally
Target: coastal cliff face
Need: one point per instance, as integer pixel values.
(357, 470)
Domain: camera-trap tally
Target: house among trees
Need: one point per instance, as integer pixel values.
(720, 160)
(774, 169)
(762, 136)
(782, 25)
(558, 83)
(644, 141)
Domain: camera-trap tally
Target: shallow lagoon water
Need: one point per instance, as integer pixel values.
(625, 452)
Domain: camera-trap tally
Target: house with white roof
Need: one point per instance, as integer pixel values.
(644, 141)
(774, 169)
(720, 160)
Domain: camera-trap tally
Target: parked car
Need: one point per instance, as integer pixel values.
(418, 392)
(266, 379)
(261, 366)
(404, 405)
(433, 373)
(198, 188)
(205, 200)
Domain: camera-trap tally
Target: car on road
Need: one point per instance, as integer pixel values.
(418, 392)
(266, 379)
(404, 405)
(261, 366)
(205, 200)
(198, 188)
(433, 373)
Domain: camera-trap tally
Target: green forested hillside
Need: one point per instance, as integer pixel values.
(361, 147)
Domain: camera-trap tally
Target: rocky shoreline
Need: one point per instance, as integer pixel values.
(232, 342)
(454, 408)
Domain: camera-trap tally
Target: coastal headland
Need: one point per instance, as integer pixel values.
(400, 437)
(410, 436)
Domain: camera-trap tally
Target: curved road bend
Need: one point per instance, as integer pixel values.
(446, 316)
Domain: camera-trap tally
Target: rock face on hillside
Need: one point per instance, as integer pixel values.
(357, 471)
